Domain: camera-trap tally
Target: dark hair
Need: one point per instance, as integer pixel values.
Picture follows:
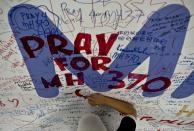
(127, 124)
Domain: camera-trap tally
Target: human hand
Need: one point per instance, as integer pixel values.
(96, 99)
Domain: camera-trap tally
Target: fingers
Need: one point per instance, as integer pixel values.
(91, 98)
(91, 102)
(94, 95)
(94, 99)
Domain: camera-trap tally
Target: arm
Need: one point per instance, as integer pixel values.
(121, 106)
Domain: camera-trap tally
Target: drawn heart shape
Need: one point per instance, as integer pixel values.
(14, 100)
